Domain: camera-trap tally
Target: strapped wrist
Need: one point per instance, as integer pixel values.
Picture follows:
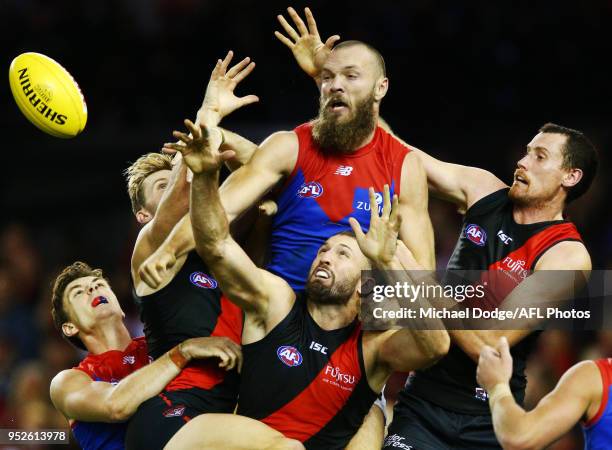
(178, 357)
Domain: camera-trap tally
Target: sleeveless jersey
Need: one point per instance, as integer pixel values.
(490, 239)
(306, 382)
(111, 367)
(598, 430)
(322, 192)
(190, 306)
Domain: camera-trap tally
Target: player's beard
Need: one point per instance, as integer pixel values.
(344, 136)
(337, 294)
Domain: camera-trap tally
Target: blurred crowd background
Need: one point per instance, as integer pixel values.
(470, 82)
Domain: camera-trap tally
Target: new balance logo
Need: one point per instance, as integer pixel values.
(129, 359)
(345, 171)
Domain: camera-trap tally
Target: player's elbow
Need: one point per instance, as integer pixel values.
(118, 411)
(439, 347)
(211, 251)
(516, 442)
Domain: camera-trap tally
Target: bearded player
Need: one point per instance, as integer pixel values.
(325, 167)
(582, 394)
(188, 303)
(309, 372)
(103, 391)
(520, 225)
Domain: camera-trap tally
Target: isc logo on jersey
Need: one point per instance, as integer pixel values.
(202, 280)
(289, 355)
(476, 234)
(310, 190)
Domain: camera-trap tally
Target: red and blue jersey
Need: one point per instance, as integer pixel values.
(323, 191)
(598, 430)
(111, 367)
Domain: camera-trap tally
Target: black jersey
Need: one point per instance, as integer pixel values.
(308, 383)
(490, 240)
(191, 305)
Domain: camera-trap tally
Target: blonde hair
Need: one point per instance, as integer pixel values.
(141, 169)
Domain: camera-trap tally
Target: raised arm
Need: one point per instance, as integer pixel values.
(461, 185)
(173, 205)
(406, 349)
(251, 288)
(305, 43)
(417, 232)
(275, 159)
(79, 397)
(576, 396)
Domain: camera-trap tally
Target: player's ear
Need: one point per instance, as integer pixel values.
(571, 178)
(382, 86)
(69, 329)
(143, 216)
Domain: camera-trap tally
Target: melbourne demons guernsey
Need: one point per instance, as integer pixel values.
(490, 240)
(111, 366)
(322, 192)
(308, 383)
(191, 306)
(598, 430)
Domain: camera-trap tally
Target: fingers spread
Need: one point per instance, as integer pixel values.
(288, 28)
(331, 41)
(281, 37)
(238, 67)
(244, 73)
(299, 23)
(312, 24)
(226, 61)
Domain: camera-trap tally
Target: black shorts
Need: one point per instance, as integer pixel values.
(159, 418)
(420, 425)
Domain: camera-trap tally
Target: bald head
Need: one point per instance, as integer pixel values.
(376, 58)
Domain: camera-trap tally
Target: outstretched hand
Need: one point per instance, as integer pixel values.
(307, 48)
(200, 149)
(380, 242)
(220, 100)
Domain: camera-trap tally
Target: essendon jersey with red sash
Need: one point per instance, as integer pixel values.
(192, 305)
(111, 367)
(490, 240)
(322, 192)
(598, 430)
(306, 382)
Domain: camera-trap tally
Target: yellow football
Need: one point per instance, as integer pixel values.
(47, 95)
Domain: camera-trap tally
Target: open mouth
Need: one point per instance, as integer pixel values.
(337, 105)
(520, 178)
(98, 301)
(322, 274)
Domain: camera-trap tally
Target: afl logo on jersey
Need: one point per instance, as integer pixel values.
(310, 190)
(202, 280)
(289, 355)
(476, 234)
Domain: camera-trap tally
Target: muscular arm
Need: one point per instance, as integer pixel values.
(416, 231)
(251, 288)
(243, 148)
(554, 415)
(274, 159)
(371, 432)
(541, 287)
(461, 185)
(78, 397)
(173, 205)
